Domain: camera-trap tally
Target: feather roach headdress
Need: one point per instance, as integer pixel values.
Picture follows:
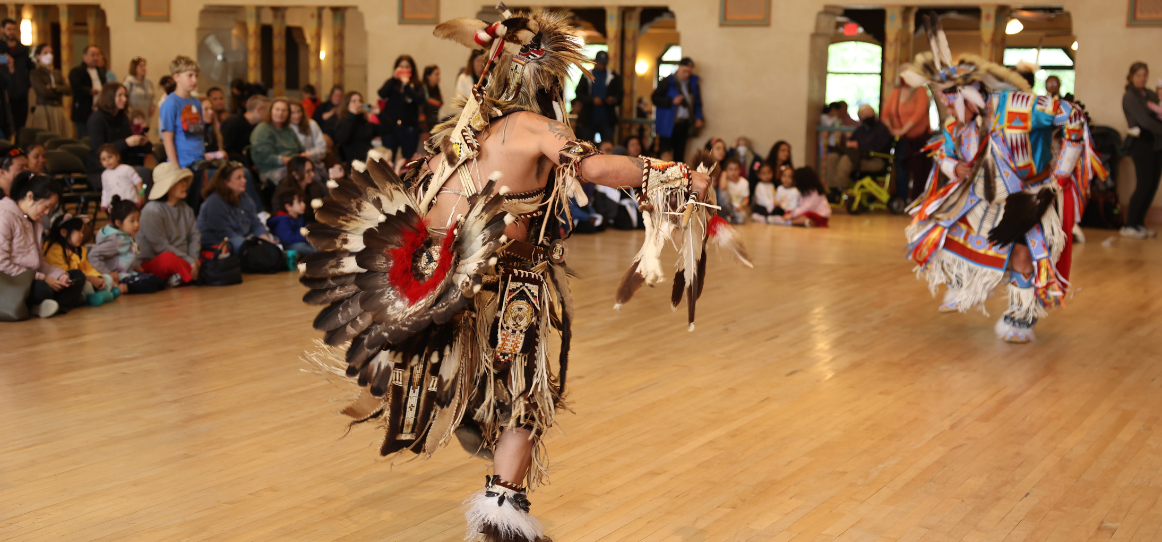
(970, 78)
(528, 57)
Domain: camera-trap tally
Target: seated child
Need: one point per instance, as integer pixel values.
(288, 223)
(65, 249)
(119, 179)
(737, 189)
(138, 121)
(767, 200)
(813, 209)
(116, 253)
(787, 195)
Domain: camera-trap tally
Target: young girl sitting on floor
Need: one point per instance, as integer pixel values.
(119, 179)
(813, 209)
(65, 249)
(769, 201)
(116, 253)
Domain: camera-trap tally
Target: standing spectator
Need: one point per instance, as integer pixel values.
(236, 129)
(12, 163)
(1053, 86)
(20, 68)
(273, 142)
(433, 98)
(53, 290)
(109, 124)
(226, 213)
(327, 113)
(678, 100)
(103, 63)
(217, 102)
(36, 162)
(167, 86)
(309, 134)
(399, 119)
(86, 81)
(600, 99)
(169, 238)
(50, 90)
(354, 132)
(140, 88)
(213, 133)
(310, 100)
(1146, 149)
(182, 127)
(906, 116)
(471, 74)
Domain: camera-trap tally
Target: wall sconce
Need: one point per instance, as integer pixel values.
(322, 54)
(1074, 46)
(26, 32)
(1014, 27)
(641, 67)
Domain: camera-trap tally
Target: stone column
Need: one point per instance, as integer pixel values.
(632, 23)
(907, 31)
(41, 27)
(998, 53)
(278, 50)
(253, 44)
(988, 30)
(338, 31)
(14, 13)
(817, 81)
(66, 52)
(613, 36)
(893, 27)
(93, 24)
(314, 45)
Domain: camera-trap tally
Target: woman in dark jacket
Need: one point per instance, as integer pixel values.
(1146, 149)
(354, 132)
(399, 122)
(110, 124)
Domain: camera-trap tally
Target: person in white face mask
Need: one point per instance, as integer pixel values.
(50, 88)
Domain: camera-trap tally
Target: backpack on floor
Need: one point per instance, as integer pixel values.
(1103, 211)
(220, 267)
(261, 256)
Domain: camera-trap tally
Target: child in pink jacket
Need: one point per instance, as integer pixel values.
(814, 210)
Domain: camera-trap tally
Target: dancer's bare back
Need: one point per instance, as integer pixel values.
(524, 147)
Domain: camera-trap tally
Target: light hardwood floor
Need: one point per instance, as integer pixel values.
(821, 398)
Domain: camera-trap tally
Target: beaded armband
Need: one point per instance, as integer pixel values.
(660, 176)
(571, 155)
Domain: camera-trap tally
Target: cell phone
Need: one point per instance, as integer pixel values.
(145, 130)
(367, 107)
(3, 59)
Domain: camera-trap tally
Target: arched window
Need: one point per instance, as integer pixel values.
(853, 74)
(668, 62)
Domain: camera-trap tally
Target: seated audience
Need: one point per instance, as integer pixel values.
(310, 100)
(288, 223)
(168, 238)
(54, 290)
(11, 164)
(869, 136)
(354, 131)
(119, 179)
(273, 142)
(310, 135)
(633, 146)
(226, 213)
(236, 129)
(300, 176)
(213, 131)
(813, 209)
(733, 192)
(37, 158)
(116, 253)
(327, 113)
(767, 201)
(66, 250)
(109, 124)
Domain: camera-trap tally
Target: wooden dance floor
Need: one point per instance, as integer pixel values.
(822, 397)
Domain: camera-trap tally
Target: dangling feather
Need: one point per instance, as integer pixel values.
(1023, 211)
(727, 238)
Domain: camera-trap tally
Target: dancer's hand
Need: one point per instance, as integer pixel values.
(962, 170)
(699, 184)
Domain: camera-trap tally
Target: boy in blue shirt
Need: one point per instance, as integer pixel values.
(181, 116)
(287, 225)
